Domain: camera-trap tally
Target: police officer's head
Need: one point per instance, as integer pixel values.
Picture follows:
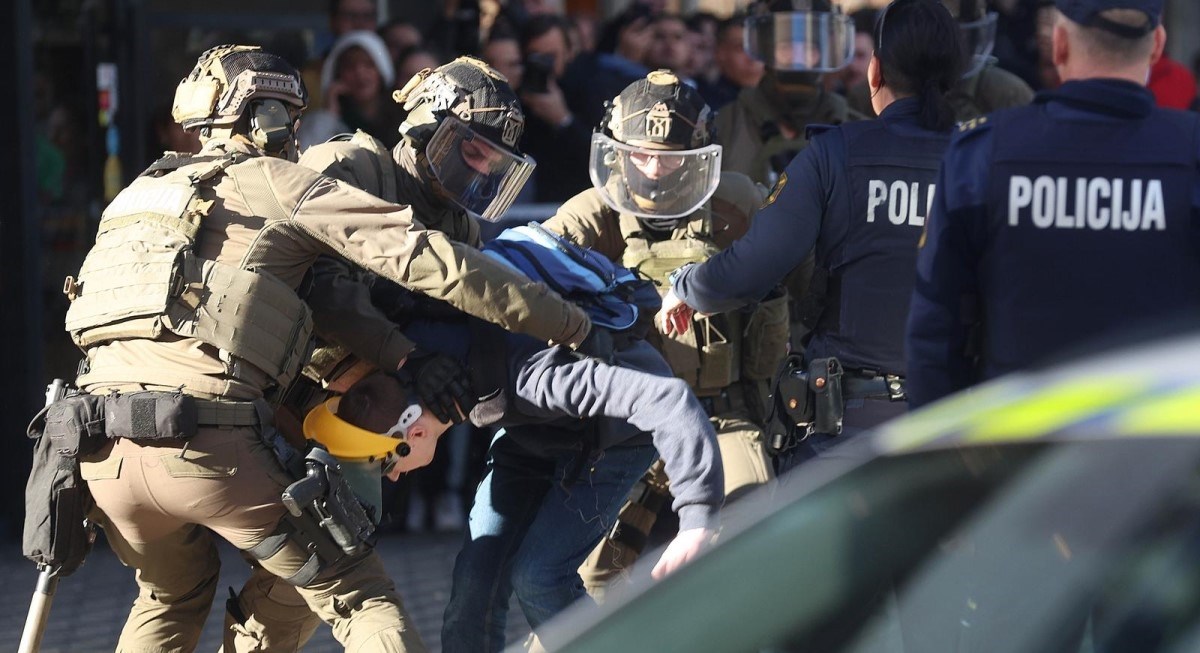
(978, 27)
(239, 90)
(798, 40)
(652, 155)
(1107, 38)
(918, 53)
(464, 124)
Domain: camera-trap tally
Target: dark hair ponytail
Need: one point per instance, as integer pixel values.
(920, 51)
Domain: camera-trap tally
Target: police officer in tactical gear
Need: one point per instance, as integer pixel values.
(1070, 220)
(859, 193)
(458, 159)
(464, 103)
(188, 312)
(798, 41)
(984, 87)
(659, 201)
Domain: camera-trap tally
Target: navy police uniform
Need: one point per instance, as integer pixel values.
(859, 193)
(1074, 219)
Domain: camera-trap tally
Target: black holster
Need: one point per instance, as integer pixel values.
(808, 399)
(325, 496)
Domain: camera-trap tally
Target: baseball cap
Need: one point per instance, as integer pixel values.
(1088, 13)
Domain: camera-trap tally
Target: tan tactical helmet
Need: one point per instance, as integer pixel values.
(241, 89)
(652, 155)
(465, 123)
(468, 89)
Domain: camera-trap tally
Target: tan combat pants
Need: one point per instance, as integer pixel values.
(160, 500)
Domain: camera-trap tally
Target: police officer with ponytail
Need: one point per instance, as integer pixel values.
(859, 194)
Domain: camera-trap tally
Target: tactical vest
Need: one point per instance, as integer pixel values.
(869, 253)
(142, 279)
(708, 355)
(1100, 216)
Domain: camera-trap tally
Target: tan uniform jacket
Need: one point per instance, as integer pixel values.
(587, 221)
(277, 217)
(365, 163)
(740, 126)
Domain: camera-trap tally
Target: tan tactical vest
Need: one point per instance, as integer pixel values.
(143, 280)
(708, 355)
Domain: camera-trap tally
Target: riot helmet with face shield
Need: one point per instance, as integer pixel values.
(652, 155)
(464, 123)
(239, 89)
(798, 40)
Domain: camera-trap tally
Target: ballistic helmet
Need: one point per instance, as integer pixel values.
(241, 89)
(652, 155)
(465, 121)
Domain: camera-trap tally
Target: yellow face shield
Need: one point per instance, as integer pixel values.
(346, 441)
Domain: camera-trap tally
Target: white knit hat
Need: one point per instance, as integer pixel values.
(369, 42)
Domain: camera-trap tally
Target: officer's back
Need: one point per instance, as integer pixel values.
(1069, 220)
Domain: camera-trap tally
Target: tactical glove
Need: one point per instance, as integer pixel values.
(441, 383)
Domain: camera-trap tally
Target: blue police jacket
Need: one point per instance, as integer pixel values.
(1075, 218)
(859, 193)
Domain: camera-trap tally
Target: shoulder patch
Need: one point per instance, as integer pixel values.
(775, 190)
(972, 124)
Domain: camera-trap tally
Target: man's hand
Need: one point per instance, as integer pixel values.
(550, 106)
(675, 316)
(441, 383)
(686, 546)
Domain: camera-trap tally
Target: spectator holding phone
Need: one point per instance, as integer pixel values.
(554, 137)
(356, 84)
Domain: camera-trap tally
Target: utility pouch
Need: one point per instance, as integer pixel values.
(75, 425)
(150, 416)
(57, 534)
(717, 357)
(766, 339)
(825, 379)
(325, 496)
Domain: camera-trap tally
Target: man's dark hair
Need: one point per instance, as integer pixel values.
(696, 21)
(374, 402)
(723, 27)
(542, 24)
(920, 51)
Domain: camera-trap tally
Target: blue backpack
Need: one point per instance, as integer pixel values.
(612, 295)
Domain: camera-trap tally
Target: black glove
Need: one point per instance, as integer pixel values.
(441, 383)
(598, 344)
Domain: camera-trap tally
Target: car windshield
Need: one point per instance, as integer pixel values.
(1079, 546)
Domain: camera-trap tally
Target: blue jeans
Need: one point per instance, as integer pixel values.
(529, 531)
